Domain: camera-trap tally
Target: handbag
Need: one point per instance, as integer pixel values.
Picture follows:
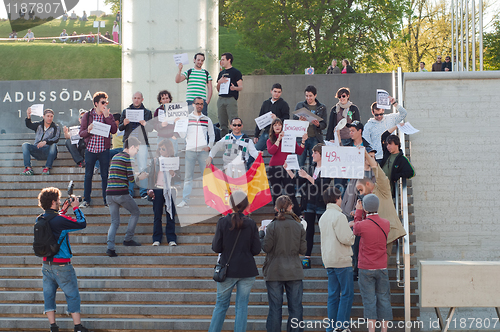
(220, 270)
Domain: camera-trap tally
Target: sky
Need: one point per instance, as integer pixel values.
(87, 5)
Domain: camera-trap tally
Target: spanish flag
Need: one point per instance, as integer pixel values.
(217, 187)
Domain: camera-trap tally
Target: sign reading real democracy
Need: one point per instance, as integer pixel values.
(346, 162)
(174, 111)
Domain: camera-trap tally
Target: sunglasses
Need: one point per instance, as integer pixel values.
(104, 102)
(343, 96)
(380, 114)
(237, 125)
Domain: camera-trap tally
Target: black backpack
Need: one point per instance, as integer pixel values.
(44, 243)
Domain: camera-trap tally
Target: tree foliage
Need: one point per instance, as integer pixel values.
(491, 40)
(295, 34)
(115, 5)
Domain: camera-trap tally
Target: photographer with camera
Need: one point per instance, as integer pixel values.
(57, 270)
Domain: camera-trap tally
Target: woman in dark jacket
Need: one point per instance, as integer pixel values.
(241, 272)
(312, 199)
(283, 241)
(347, 67)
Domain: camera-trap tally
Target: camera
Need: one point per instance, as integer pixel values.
(71, 198)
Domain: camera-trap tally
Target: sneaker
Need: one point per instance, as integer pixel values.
(182, 204)
(96, 170)
(172, 243)
(84, 204)
(81, 164)
(306, 263)
(27, 171)
(145, 196)
(156, 243)
(45, 171)
(80, 328)
(111, 253)
(131, 243)
(54, 328)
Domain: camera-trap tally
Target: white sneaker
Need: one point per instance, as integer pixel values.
(182, 204)
(156, 243)
(172, 244)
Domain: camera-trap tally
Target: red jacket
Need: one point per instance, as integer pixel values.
(372, 245)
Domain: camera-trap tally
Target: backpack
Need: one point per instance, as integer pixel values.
(44, 243)
(189, 73)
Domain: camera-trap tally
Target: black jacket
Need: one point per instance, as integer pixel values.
(446, 65)
(402, 167)
(132, 125)
(365, 143)
(320, 111)
(280, 108)
(242, 264)
(332, 121)
(313, 193)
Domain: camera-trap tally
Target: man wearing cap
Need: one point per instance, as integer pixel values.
(77, 150)
(375, 127)
(373, 277)
(47, 135)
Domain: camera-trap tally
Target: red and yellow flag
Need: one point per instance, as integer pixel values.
(217, 187)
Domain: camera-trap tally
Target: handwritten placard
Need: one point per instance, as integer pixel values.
(288, 143)
(307, 114)
(181, 58)
(173, 111)
(74, 134)
(292, 162)
(169, 163)
(135, 115)
(342, 162)
(181, 126)
(37, 109)
(101, 129)
(224, 87)
(408, 129)
(295, 128)
(383, 101)
(264, 120)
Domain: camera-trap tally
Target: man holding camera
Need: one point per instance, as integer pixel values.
(57, 270)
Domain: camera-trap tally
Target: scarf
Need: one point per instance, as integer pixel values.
(345, 108)
(167, 193)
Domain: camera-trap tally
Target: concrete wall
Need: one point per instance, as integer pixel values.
(256, 89)
(455, 155)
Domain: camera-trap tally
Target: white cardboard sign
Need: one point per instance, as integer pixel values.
(346, 162)
(295, 128)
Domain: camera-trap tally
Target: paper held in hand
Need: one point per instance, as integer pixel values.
(296, 128)
(344, 162)
(101, 129)
(264, 120)
(288, 143)
(307, 114)
(37, 109)
(173, 111)
(292, 162)
(181, 58)
(169, 163)
(135, 115)
(181, 126)
(383, 101)
(74, 134)
(224, 87)
(408, 129)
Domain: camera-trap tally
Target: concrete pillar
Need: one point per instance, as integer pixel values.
(153, 31)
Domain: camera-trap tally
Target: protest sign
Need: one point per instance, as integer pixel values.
(264, 120)
(37, 109)
(383, 99)
(181, 126)
(307, 114)
(295, 128)
(135, 115)
(288, 143)
(181, 58)
(292, 162)
(101, 129)
(342, 162)
(169, 163)
(408, 129)
(74, 134)
(173, 111)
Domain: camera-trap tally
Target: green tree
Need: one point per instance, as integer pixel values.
(491, 42)
(295, 34)
(115, 5)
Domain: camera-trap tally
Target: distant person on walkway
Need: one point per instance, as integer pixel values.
(375, 127)
(199, 141)
(163, 195)
(199, 82)
(118, 17)
(63, 36)
(347, 67)
(422, 67)
(333, 69)
(227, 104)
(65, 16)
(77, 150)
(120, 174)
(283, 240)
(116, 32)
(84, 16)
(47, 135)
(30, 36)
(238, 231)
(336, 252)
(97, 146)
(373, 281)
(57, 270)
(447, 64)
(73, 16)
(438, 65)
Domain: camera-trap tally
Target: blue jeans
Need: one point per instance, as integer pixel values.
(310, 143)
(48, 152)
(158, 208)
(294, 290)
(224, 290)
(190, 161)
(76, 152)
(140, 160)
(260, 146)
(127, 202)
(63, 277)
(376, 294)
(90, 160)
(340, 296)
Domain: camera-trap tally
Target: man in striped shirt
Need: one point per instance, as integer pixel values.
(199, 82)
(120, 173)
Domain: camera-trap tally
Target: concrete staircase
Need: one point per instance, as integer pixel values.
(146, 288)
